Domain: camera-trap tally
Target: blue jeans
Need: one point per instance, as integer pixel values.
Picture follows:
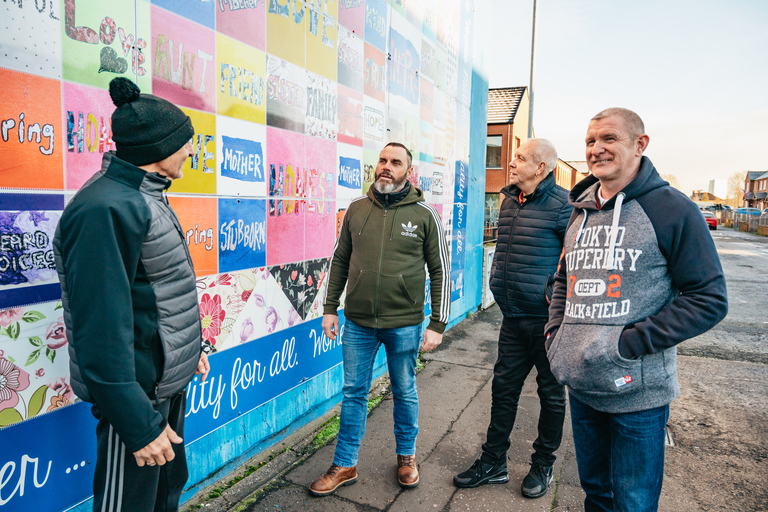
(620, 457)
(359, 349)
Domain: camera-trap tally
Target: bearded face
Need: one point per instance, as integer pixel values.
(392, 170)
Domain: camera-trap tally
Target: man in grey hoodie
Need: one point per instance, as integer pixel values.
(639, 274)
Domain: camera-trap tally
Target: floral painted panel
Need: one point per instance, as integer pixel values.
(301, 282)
(238, 307)
(34, 363)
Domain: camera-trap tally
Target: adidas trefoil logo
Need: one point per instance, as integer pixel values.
(409, 229)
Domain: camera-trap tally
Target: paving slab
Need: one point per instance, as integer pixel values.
(377, 462)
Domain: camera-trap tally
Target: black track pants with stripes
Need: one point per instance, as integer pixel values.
(119, 485)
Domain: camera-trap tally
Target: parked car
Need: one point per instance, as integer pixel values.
(748, 211)
(711, 220)
(765, 213)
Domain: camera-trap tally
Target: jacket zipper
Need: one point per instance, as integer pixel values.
(509, 245)
(378, 275)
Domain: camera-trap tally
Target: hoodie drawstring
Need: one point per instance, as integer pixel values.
(581, 228)
(609, 262)
(370, 207)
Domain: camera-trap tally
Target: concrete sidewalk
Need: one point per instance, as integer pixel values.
(454, 397)
(718, 424)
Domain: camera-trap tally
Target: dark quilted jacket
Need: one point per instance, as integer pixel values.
(528, 248)
(130, 298)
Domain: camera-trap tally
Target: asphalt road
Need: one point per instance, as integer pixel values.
(743, 335)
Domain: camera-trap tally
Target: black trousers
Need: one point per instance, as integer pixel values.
(119, 485)
(521, 347)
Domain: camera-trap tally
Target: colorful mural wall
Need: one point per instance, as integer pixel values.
(291, 101)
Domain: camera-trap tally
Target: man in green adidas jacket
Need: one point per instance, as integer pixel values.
(386, 239)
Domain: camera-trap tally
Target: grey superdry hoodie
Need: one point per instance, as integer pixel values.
(638, 276)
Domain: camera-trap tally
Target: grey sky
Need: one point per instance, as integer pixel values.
(696, 71)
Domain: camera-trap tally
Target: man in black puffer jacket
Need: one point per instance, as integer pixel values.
(532, 220)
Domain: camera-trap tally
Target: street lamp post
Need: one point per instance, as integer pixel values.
(530, 85)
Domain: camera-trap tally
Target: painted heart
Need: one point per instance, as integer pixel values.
(111, 62)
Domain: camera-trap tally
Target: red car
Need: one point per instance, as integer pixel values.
(711, 220)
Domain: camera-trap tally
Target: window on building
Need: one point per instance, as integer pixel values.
(493, 152)
(491, 225)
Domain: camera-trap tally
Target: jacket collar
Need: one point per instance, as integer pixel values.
(119, 170)
(414, 195)
(543, 187)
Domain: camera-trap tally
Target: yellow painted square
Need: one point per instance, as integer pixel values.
(240, 80)
(199, 170)
(322, 37)
(286, 29)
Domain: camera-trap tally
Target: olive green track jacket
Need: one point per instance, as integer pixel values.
(381, 256)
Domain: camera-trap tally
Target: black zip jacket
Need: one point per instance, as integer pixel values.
(528, 248)
(129, 297)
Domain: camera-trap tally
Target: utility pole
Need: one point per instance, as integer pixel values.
(530, 85)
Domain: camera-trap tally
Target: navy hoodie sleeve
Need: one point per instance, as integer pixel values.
(696, 273)
(101, 246)
(557, 304)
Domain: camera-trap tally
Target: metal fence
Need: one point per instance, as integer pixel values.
(743, 222)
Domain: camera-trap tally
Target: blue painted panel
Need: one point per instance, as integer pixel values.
(350, 173)
(242, 159)
(250, 375)
(403, 78)
(376, 24)
(27, 227)
(242, 234)
(46, 471)
(201, 11)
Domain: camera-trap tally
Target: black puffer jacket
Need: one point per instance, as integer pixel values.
(528, 248)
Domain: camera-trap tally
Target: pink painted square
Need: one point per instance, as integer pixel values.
(246, 22)
(352, 15)
(183, 61)
(320, 224)
(88, 117)
(286, 189)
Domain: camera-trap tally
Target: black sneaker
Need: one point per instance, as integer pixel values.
(536, 481)
(481, 473)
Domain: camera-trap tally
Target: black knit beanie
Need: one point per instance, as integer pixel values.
(145, 128)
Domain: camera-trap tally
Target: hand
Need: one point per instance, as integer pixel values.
(331, 325)
(203, 367)
(159, 451)
(431, 340)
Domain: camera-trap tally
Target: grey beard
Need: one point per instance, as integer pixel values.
(389, 188)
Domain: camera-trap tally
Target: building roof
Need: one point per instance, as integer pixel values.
(764, 175)
(754, 175)
(503, 104)
(705, 196)
(580, 165)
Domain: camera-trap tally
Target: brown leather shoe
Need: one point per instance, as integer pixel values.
(407, 472)
(335, 477)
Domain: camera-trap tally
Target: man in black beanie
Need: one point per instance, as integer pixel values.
(130, 305)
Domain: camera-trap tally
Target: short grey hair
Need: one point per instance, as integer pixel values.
(632, 121)
(545, 152)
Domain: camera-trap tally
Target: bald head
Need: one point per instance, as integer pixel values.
(544, 151)
(632, 122)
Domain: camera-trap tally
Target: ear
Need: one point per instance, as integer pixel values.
(542, 168)
(641, 144)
